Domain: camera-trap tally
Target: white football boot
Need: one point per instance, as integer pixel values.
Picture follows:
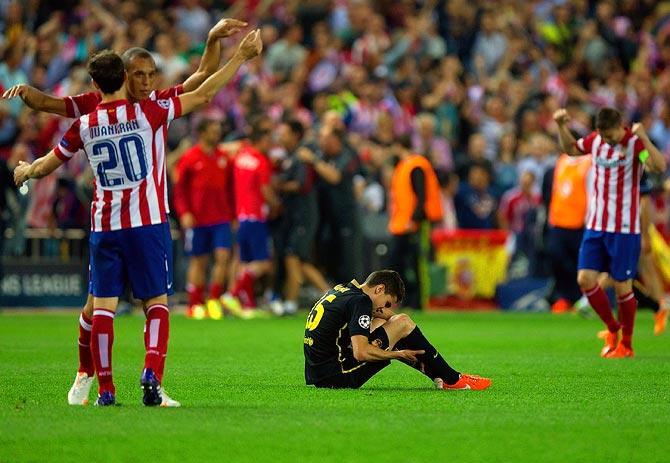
(166, 401)
(78, 394)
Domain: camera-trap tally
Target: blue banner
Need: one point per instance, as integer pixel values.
(43, 285)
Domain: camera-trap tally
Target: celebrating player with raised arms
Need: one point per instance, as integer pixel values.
(611, 242)
(140, 84)
(128, 217)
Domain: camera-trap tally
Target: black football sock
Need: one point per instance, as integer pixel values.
(643, 300)
(431, 362)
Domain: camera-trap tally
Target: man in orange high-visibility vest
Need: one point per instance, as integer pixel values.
(566, 185)
(415, 203)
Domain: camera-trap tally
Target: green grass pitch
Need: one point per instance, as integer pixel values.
(241, 383)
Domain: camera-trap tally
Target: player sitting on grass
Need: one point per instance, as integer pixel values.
(352, 334)
(611, 242)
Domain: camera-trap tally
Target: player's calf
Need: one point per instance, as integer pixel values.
(601, 305)
(627, 308)
(85, 358)
(431, 362)
(102, 341)
(157, 332)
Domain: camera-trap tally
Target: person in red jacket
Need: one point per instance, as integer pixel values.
(204, 203)
(255, 200)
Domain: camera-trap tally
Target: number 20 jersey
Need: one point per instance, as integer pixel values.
(127, 157)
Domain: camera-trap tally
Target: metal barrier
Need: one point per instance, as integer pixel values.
(69, 245)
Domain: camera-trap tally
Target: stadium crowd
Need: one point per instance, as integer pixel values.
(470, 85)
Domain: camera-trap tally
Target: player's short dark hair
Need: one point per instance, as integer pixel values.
(135, 52)
(107, 71)
(608, 118)
(296, 127)
(391, 280)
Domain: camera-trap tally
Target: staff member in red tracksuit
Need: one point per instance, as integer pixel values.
(204, 202)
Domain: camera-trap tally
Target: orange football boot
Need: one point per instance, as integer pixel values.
(465, 382)
(620, 352)
(561, 306)
(660, 320)
(611, 340)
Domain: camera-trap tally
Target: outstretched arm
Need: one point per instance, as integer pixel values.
(38, 169)
(211, 57)
(564, 136)
(250, 47)
(37, 100)
(655, 162)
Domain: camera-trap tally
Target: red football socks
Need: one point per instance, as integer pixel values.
(215, 290)
(244, 289)
(102, 340)
(195, 294)
(85, 358)
(627, 308)
(156, 334)
(598, 300)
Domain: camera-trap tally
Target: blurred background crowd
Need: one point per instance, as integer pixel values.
(469, 84)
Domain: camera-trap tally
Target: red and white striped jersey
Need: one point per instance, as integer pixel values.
(84, 103)
(124, 143)
(615, 184)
